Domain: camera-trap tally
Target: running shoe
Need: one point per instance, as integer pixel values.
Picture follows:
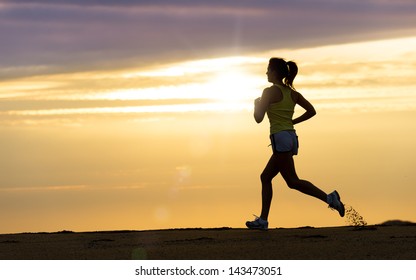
(258, 223)
(334, 202)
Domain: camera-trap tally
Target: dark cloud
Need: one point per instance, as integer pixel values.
(57, 36)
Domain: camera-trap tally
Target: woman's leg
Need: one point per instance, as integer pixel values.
(269, 172)
(287, 168)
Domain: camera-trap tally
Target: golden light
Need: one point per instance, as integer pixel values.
(227, 82)
(231, 85)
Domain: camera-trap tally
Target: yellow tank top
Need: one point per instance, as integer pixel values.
(280, 113)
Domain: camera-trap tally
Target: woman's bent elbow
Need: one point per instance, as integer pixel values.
(311, 112)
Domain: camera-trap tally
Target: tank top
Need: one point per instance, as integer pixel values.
(280, 113)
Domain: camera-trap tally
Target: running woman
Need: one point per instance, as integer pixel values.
(279, 101)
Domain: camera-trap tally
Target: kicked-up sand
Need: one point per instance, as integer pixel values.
(380, 242)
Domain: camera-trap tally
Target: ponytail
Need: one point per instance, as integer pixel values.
(286, 71)
(293, 71)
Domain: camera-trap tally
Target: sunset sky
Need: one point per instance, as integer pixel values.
(138, 115)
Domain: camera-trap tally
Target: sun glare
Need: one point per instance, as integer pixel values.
(227, 83)
(231, 86)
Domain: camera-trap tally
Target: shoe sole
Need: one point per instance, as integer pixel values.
(342, 214)
(262, 229)
(256, 228)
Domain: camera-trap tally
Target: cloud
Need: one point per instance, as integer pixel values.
(41, 37)
(333, 75)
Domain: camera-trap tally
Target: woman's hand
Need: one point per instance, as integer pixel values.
(259, 109)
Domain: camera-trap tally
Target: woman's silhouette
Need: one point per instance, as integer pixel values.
(279, 101)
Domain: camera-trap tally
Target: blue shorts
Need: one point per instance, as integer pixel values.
(285, 141)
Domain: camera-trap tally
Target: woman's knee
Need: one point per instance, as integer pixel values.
(293, 183)
(265, 178)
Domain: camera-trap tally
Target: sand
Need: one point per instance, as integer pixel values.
(380, 242)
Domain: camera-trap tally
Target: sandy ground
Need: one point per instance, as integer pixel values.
(339, 243)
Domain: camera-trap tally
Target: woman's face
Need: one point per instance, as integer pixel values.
(271, 75)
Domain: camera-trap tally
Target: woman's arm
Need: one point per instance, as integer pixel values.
(305, 104)
(260, 106)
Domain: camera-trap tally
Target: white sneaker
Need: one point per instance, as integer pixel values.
(258, 223)
(334, 202)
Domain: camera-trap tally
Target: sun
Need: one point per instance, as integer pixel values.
(232, 86)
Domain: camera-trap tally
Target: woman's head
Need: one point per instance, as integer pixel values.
(280, 70)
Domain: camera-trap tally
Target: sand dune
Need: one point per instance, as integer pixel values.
(386, 241)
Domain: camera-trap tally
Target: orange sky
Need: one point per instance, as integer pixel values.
(174, 144)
